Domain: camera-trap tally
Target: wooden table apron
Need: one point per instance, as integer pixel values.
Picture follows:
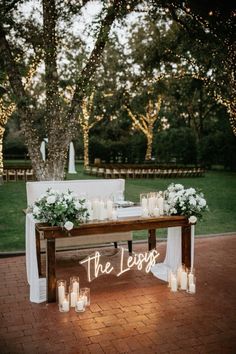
(50, 233)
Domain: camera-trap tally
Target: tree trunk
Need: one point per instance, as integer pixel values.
(2, 130)
(148, 155)
(86, 147)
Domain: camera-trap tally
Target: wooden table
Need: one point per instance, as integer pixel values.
(50, 233)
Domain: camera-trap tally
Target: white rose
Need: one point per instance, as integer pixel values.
(51, 199)
(192, 219)
(68, 225)
(192, 201)
(36, 210)
(68, 197)
(202, 202)
(77, 205)
(190, 191)
(179, 186)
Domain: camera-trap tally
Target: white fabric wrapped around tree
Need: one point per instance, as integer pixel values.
(71, 167)
(43, 150)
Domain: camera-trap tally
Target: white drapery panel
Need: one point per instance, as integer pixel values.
(71, 166)
(173, 258)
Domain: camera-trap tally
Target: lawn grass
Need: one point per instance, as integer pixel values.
(219, 189)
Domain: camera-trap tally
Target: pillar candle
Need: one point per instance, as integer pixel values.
(173, 283)
(145, 213)
(79, 306)
(156, 212)
(114, 215)
(190, 278)
(75, 287)
(183, 280)
(101, 210)
(160, 204)
(73, 296)
(151, 204)
(144, 203)
(61, 293)
(192, 288)
(65, 305)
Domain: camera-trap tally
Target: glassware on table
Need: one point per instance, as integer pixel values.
(85, 292)
(73, 290)
(191, 282)
(61, 291)
(65, 305)
(80, 303)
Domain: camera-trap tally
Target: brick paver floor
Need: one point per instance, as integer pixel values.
(133, 313)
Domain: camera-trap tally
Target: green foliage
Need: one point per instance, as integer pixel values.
(176, 145)
(219, 189)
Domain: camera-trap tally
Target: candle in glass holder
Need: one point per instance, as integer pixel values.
(143, 201)
(183, 280)
(145, 213)
(160, 203)
(74, 283)
(192, 288)
(173, 283)
(61, 290)
(191, 283)
(65, 305)
(95, 208)
(156, 212)
(114, 215)
(151, 203)
(80, 305)
(73, 296)
(109, 208)
(85, 292)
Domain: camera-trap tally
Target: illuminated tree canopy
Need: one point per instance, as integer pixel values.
(166, 42)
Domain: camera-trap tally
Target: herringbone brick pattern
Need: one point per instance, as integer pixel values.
(133, 313)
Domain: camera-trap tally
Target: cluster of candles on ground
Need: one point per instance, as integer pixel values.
(77, 298)
(152, 204)
(183, 279)
(101, 209)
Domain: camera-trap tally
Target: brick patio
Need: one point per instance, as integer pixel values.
(135, 312)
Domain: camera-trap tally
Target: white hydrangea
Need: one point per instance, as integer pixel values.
(51, 199)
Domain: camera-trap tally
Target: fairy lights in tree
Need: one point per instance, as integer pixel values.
(7, 109)
(145, 123)
(5, 113)
(87, 121)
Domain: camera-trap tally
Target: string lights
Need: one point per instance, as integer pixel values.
(146, 123)
(87, 121)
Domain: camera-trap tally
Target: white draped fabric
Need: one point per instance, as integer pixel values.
(71, 167)
(37, 285)
(43, 150)
(173, 258)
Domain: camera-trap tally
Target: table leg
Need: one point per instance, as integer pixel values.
(151, 239)
(38, 249)
(186, 246)
(51, 270)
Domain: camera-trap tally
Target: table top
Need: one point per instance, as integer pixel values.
(122, 224)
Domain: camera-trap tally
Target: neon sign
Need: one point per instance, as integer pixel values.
(142, 261)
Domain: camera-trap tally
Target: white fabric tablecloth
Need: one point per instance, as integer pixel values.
(37, 285)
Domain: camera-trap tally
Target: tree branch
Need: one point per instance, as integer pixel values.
(50, 53)
(95, 57)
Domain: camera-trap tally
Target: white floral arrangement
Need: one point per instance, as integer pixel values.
(188, 202)
(60, 209)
